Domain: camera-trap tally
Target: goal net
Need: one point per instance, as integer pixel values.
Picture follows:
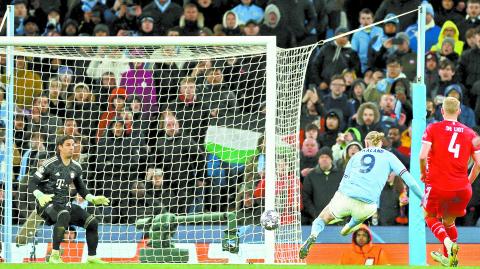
(175, 136)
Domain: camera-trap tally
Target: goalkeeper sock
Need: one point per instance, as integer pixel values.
(317, 226)
(453, 234)
(92, 235)
(437, 228)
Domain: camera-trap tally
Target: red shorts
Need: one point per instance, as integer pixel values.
(446, 203)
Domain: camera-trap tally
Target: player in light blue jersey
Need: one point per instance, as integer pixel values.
(359, 192)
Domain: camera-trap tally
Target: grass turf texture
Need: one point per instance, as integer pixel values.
(193, 266)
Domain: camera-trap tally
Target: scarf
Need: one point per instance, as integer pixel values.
(163, 7)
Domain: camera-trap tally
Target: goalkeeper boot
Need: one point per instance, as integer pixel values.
(438, 257)
(452, 254)
(95, 259)
(346, 230)
(55, 257)
(305, 248)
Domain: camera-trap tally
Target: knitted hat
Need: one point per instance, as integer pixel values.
(325, 151)
(449, 40)
(391, 17)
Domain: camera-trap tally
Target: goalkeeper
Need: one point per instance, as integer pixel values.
(50, 186)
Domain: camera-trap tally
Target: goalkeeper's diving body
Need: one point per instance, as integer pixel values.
(51, 187)
(359, 191)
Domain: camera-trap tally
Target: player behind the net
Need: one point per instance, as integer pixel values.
(446, 149)
(359, 191)
(50, 186)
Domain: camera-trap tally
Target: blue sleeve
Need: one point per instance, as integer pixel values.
(397, 166)
(355, 42)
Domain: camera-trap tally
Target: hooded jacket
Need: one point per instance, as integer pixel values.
(458, 43)
(366, 255)
(467, 116)
(331, 60)
(285, 36)
(235, 31)
(329, 137)
(139, 82)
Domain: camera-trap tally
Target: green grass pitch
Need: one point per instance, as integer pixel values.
(192, 266)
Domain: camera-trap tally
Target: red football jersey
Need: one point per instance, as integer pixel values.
(447, 165)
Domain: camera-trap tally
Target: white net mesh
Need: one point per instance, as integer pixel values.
(173, 135)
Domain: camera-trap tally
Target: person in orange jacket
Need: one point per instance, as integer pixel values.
(363, 251)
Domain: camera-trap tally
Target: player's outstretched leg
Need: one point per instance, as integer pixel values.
(317, 227)
(63, 218)
(351, 226)
(440, 258)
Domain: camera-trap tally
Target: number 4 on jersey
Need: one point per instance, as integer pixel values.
(454, 148)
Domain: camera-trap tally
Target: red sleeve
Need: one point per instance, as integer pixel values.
(428, 134)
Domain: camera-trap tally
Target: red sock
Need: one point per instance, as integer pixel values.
(453, 234)
(437, 228)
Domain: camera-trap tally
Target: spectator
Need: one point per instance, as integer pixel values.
(84, 110)
(27, 83)
(308, 157)
(361, 39)
(399, 7)
(300, 16)
(230, 25)
(470, 35)
(191, 22)
(251, 28)
(126, 15)
(408, 59)
(350, 135)
(449, 29)
(312, 109)
(248, 11)
(138, 204)
(337, 99)
(394, 134)
(356, 98)
(57, 98)
(447, 11)
(431, 72)
(66, 77)
(70, 28)
(139, 81)
(392, 201)
(347, 153)
(333, 125)
(394, 72)
(363, 251)
(332, 59)
(368, 118)
(116, 108)
(323, 18)
(467, 116)
(91, 12)
(215, 96)
(446, 73)
(431, 33)
(165, 13)
(117, 162)
(147, 26)
(380, 47)
(106, 83)
(41, 120)
(212, 10)
(182, 160)
(320, 185)
(30, 27)
(272, 27)
(21, 14)
(401, 89)
(468, 69)
(431, 112)
(472, 20)
(388, 117)
(155, 189)
(109, 62)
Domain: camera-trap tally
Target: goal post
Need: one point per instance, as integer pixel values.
(209, 182)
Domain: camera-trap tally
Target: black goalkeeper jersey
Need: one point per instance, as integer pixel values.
(54, 177)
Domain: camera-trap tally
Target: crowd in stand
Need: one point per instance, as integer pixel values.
(141, 127)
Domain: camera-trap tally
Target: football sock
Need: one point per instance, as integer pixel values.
(437, 229)
(317, 226)
(452, 234)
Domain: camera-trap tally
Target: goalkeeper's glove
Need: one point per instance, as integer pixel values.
(42, 198)
(97, 200)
